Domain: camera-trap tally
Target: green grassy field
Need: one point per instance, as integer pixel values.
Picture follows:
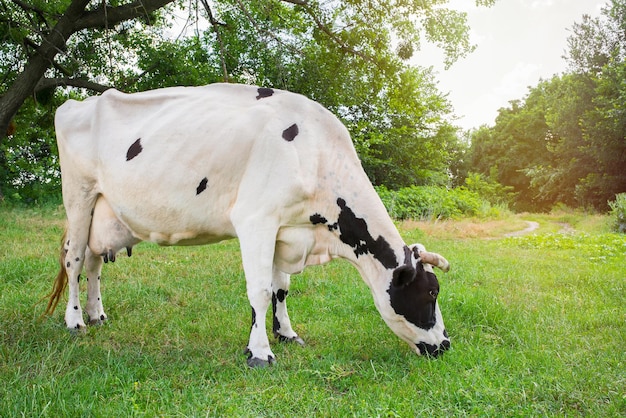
(538, 328)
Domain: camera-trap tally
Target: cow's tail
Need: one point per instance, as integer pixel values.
(60, 283)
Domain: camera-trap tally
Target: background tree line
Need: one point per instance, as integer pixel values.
(352, 56)
(565, 142)
(562, 143)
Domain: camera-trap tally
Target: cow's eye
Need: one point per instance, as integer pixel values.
(434, 293)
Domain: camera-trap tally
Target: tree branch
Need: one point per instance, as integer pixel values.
(324, 28)
(99, 17)
(216, 25)
(30, 43)
(297, 2)
(46, 83)
(29, 7)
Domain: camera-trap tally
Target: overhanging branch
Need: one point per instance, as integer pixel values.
(100, 18)
(216, 28)
(46, 83)
(324, 28)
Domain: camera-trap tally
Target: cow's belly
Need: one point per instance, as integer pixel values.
(173, 224)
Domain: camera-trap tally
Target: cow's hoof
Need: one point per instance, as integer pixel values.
(78, 330)
(98, 321)
(257, 363)
(295, 339)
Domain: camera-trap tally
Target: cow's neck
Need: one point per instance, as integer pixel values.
(368, 238)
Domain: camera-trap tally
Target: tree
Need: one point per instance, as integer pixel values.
(566, 141)
(35, 27)
(515, 143)
(592, 125)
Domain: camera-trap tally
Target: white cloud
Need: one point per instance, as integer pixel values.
(514, 83)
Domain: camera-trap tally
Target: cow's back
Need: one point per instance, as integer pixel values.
(174, 163)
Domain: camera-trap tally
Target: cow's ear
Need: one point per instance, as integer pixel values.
(403, 276)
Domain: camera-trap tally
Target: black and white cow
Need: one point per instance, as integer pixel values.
(196, 165)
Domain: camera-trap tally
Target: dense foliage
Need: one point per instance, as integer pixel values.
(566, 141)
(435, 202)
(352, 56)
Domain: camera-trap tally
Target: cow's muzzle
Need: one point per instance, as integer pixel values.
(432, 350)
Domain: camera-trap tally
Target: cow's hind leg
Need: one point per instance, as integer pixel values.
(281, 325)
(79, 211)
(257, 254)
(76, 245)
(93, 268)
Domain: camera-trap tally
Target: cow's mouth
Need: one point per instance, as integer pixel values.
(432, 350)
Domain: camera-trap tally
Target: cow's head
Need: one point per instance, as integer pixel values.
(407, 300)
(413, 292)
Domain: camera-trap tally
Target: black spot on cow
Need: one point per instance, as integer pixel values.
(75, 308)
(278, 296)
(264, 92)
(275, 321)
(318, 219)
(102, 317)
(202, 186)
(78, 278)
(281, 295)
(290, 133)
(353, 231)
(253, 318)
(68, 264)
(77, 259)
(134, 150)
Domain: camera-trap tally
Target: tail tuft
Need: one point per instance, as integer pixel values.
(60, 283)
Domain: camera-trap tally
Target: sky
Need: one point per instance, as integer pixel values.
(518, 43)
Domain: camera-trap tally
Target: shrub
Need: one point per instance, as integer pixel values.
(618, 212)
(432, 202)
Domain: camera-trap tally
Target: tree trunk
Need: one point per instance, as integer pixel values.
(75, 18)
(25, 83)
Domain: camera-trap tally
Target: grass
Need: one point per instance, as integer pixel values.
(538, 327)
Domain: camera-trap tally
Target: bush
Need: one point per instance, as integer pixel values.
(432, 202)
(618, 212)
(489, 189)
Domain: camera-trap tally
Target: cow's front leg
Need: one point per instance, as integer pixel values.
(281, 325)
(93, 269)
(258, 350)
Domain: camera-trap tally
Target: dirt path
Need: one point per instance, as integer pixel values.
(532, 225)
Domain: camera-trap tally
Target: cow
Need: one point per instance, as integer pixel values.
(197, 165)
